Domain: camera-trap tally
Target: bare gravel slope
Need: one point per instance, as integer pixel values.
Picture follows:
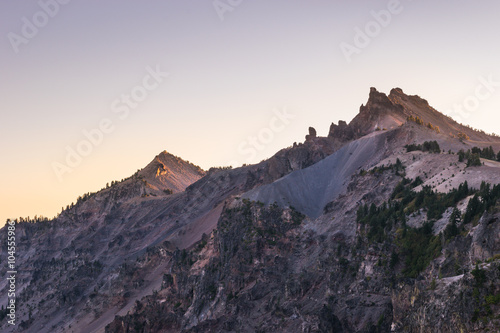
(310, 189)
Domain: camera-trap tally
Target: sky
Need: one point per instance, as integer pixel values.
(91, 91)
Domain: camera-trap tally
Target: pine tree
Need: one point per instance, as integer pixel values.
(474, 160)
(451, 229)
(461, 155)
(476, 150)
(473, 208)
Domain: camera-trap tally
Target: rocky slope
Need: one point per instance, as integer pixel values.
(353, 232)
(270, 269)
(168, 172)
(76, 267)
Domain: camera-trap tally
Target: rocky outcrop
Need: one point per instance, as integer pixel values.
(378, 113)
(311, 135)
(342, 131)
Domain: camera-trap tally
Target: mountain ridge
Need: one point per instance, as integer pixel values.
(218, 246)
(389, 111)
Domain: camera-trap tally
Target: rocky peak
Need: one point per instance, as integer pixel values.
(380, 112)
(395, 91)
(384, 112)
(312, 134)
(169, 172)
(377, 101)
(414, 104)
(377, 111)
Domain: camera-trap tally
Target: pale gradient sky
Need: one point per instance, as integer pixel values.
(226, 79)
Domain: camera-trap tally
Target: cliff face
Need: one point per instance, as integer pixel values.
(352, 232)
(266, 269)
